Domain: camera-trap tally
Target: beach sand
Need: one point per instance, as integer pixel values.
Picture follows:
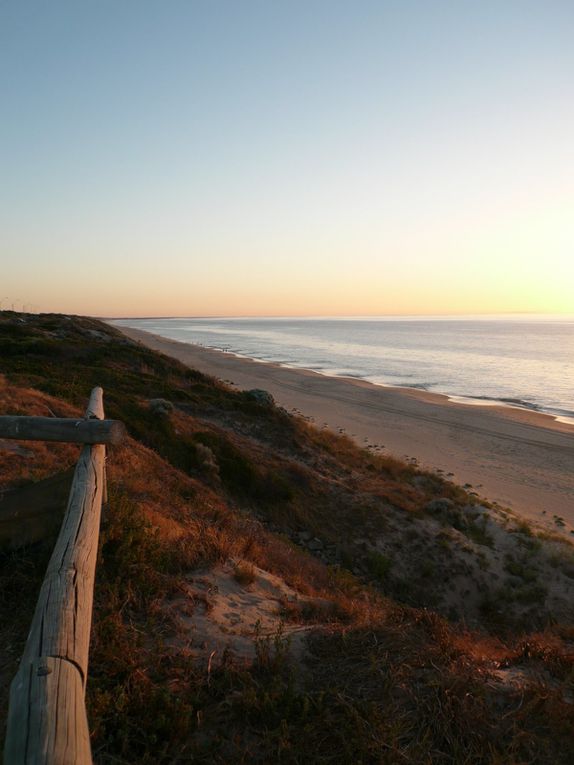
(522, 460)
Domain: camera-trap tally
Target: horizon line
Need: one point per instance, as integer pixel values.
(486, 314)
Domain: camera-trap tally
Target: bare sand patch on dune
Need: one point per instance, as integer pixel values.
(237, 606)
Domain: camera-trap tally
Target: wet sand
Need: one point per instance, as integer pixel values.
(520, 459)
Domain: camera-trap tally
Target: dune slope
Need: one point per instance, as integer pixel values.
(267, 591)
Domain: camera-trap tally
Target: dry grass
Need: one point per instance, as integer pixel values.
(22, 462)
(381, 681)
(244, 574)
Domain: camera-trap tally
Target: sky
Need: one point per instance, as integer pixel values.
(304, 157)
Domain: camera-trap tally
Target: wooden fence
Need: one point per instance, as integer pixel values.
(47, 721)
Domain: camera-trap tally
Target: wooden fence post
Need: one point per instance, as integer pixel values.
(47, 722)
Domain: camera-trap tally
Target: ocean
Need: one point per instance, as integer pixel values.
(521, 361)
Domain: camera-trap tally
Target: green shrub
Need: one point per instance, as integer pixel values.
(478, 533)
(379, 565)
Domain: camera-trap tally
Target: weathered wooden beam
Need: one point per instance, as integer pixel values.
(95, 410)
(58, 731)
(47, 720)
(62, 429)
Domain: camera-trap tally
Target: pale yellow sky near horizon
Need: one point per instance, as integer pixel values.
(502, 268)
(264, 159)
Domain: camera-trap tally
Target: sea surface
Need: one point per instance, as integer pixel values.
(523, 361)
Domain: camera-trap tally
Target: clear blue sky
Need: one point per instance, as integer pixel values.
(316, 157)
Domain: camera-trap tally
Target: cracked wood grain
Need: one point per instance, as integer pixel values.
(47, 719)
(61, 429)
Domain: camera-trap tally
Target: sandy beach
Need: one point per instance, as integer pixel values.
(520, 459)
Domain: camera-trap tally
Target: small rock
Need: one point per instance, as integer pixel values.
(160, 406)
(261, 396)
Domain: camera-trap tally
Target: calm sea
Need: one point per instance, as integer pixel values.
(519, 361)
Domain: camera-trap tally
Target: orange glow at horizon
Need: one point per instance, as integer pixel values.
(406, 163)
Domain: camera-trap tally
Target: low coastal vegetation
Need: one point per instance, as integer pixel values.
(269, 592)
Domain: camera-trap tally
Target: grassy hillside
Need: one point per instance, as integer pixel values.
(269, 592)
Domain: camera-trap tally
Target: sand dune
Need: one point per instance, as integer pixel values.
(523, 460)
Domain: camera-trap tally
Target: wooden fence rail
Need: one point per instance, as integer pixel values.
(62, 429)
(47, 721)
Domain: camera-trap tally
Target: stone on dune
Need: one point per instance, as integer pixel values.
(261, 396)
(160, 406)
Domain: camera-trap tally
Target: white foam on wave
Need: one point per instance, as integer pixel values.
(526, 367)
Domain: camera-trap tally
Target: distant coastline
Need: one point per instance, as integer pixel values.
(519, 458)
(437, 365)
(565, 419)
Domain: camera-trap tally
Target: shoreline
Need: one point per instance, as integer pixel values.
(563, 419)
(517, 457)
